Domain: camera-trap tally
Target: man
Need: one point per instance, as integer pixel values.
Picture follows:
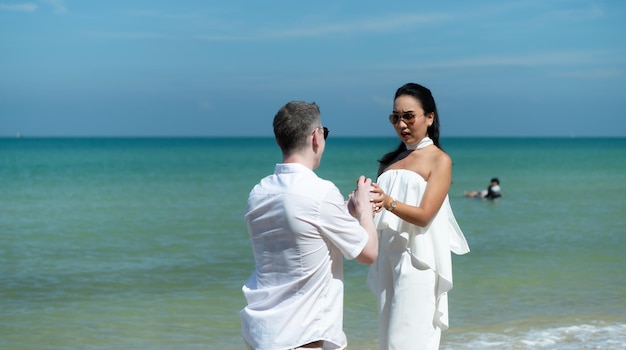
(300, 227)
(492, 192)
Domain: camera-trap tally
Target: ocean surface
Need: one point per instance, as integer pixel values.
(122, 243)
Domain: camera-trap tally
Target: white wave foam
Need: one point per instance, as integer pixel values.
(575, 337)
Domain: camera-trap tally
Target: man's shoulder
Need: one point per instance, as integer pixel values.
(316, 186)
(294, 182)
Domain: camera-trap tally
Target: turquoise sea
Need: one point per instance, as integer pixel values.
(123, 243)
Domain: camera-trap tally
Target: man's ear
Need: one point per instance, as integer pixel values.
(315, 139)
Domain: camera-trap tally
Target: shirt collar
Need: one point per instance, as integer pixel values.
(282, 168)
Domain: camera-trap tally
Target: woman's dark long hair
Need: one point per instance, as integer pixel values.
(425, 97)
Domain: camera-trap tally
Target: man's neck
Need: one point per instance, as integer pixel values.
(300, 159)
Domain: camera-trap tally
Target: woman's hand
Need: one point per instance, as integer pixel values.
(377, 198)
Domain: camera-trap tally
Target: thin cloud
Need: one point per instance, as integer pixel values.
(25, 7)
(395, 22)
(130, 35)
(57, 5)
(160, 15)
(599, 74)
(381, 101)
(592, 13)
(366, 25)
(529, 60)
(206, 105)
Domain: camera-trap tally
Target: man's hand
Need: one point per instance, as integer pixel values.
(360, 203)
(361, 207)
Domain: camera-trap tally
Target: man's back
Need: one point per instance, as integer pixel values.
(299, 228)
(283, 212)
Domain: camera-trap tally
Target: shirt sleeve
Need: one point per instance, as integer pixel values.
(339, 227)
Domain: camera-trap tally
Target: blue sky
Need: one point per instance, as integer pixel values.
(223, 68)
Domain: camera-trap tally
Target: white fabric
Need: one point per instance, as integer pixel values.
(405, 247)
(299, 348)
(426, 141)
(299, 228)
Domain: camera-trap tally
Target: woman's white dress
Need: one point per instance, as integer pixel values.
(413, 272)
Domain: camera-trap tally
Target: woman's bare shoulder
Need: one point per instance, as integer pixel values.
(433, 155)
(441, 157)
(438, 161)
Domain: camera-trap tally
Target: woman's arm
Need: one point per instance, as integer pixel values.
(437, 188)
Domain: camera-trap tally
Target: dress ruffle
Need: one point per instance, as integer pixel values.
(430, 247)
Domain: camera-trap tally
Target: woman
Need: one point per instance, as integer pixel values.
(417, 229)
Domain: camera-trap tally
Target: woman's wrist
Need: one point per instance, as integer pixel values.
(390, 204)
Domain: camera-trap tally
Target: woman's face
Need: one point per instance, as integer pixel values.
(412, 124)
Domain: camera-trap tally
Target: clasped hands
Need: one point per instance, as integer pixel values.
(366, 198)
